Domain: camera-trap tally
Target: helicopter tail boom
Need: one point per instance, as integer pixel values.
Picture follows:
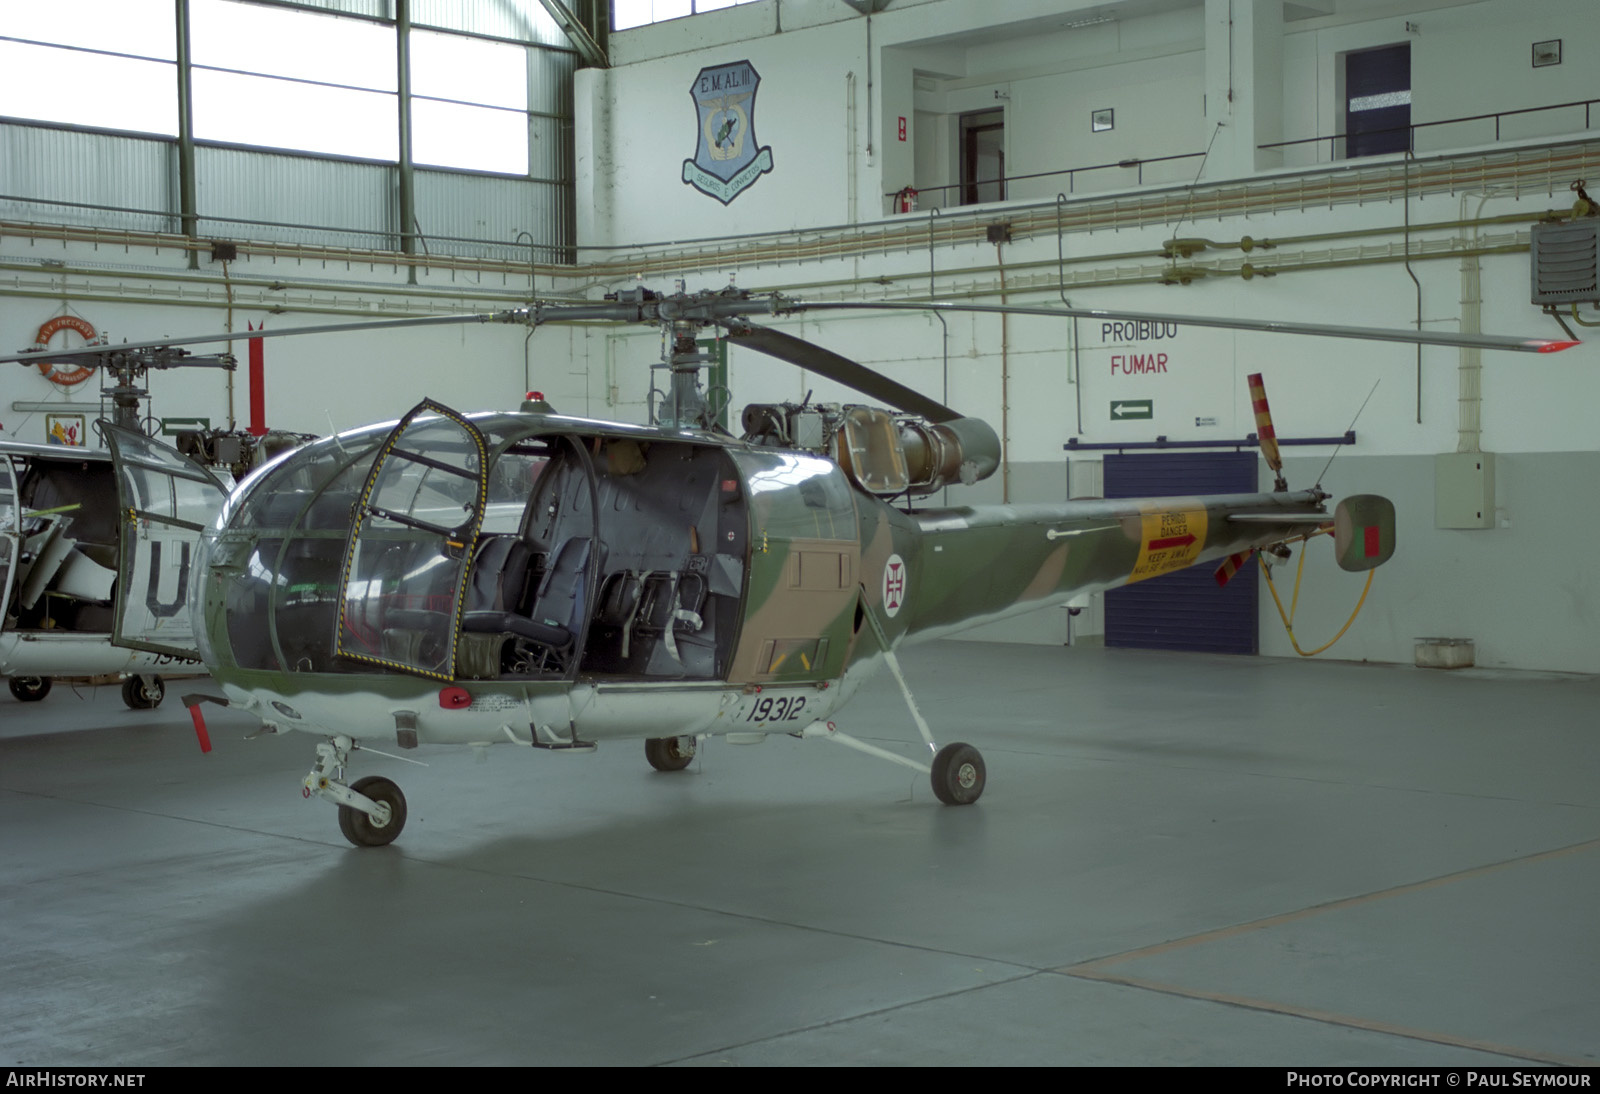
(983, 564)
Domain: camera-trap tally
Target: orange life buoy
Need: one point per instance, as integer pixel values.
(51, 327)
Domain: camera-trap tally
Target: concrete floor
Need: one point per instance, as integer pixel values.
(1180, 859)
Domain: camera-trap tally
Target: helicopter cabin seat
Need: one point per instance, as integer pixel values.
(653, 604)
(503, 636)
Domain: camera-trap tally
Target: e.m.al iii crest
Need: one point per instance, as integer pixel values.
(726, 160)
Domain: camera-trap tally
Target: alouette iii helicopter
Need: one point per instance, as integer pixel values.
(72, 602)
(552, 582)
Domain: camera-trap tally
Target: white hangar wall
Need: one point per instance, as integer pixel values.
(1517, 589)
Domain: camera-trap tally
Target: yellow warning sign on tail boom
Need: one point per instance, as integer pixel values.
(1170, 539)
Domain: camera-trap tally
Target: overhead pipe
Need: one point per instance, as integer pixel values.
(1142, 209)
(1155, 275)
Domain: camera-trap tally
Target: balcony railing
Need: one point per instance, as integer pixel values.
(1072, 173)
(1497, 117)
(1335, 149)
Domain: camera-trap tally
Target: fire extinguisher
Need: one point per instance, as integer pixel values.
(906, 200)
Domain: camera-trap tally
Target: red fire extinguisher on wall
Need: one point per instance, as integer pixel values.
(906, 200)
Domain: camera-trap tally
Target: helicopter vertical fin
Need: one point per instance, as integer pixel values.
(1363, 532)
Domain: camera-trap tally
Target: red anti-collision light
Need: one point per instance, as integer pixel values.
(455, 698)
(535, 396)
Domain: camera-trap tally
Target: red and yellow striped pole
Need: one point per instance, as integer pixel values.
(1266, 435)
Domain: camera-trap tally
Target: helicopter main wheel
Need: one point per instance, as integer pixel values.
(29, 689)
(669, 753)
(958, 774)
(361, 829)
(139, 697)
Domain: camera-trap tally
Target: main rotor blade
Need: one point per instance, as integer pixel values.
(90, 355)
(824, 362)
(1376, 334)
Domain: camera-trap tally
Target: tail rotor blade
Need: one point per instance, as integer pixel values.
(1267, 435)
(1230, 566)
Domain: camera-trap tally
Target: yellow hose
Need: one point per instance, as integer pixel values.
(1288, 620)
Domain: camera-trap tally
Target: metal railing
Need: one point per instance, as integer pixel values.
(1411, 130)
(1332, 140)
(1071, 172)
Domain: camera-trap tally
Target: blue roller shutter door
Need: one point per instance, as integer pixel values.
(1184, 610)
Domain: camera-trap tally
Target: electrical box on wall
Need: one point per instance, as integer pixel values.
(1463, 490)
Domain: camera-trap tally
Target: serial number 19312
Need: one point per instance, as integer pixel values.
(780, 708)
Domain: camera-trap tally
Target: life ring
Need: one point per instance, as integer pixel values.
(67, 377)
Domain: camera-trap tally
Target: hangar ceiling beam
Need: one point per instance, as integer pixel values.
(593, 55)
(188, 202)
(406, 169)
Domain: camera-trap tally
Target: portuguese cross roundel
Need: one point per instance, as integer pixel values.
(894, 585)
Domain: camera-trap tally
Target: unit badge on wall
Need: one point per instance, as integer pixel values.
(65, 429)
(726, 159)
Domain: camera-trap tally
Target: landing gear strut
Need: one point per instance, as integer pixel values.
(957, 771)
(372, 811)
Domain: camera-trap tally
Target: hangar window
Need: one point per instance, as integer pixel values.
(469, 103)
(56, 60)
(1377, 101)
(294, 79)
(626, 14)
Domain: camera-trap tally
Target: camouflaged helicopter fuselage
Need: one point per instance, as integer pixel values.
(803, 581)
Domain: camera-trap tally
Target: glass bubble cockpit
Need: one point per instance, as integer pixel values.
(498, 547)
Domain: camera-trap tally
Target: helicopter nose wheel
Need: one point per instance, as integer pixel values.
(958, 774)
(372, 811)
(366, 830)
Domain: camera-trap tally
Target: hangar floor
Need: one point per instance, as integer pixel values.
(1180, 859)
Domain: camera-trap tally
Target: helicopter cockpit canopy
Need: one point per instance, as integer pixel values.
(529, 546)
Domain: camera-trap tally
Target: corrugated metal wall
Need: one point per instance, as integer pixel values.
(488, 209)
(90, 169)
(353, 201)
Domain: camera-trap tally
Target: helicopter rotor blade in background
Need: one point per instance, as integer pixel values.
(826, 363)
(92, 354)
(1327, 330)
